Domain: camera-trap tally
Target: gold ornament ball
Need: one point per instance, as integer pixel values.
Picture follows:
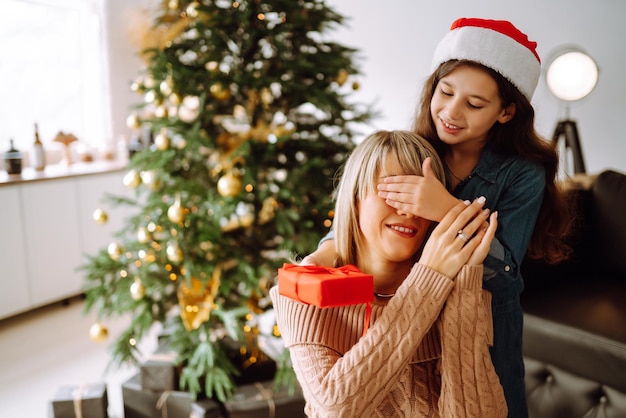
(176, 213)
(150, 97)
(174, 253)
(181, 143)
(98, 332)
(212, 66)
(100, 216)
(148, 82)
(133, 122)
(219, 92)
(166, 86)
(266, 96)
(147, 256)
(161, 112)
(192, 9)
(150, 179)
(162, 141)
(187, 115)
(229, 185)
(175, 100)
(132, 179)
(342, 77)
(137, 289)
(143, 235)
(115, 250)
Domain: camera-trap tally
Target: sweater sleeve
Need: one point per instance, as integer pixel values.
(469, 384)
(354, 384)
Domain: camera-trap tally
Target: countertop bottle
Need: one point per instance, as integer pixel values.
(13, 160)
(39, 154)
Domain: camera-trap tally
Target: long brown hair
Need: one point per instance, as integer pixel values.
(516, 137)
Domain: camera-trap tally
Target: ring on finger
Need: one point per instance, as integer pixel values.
(461, 235)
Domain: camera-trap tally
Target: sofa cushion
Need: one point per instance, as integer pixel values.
(579, 352)
(555, 392)
(609, 223)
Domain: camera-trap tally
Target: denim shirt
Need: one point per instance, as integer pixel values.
(514, 187)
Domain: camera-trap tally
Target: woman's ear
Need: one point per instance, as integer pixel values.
(507, 113)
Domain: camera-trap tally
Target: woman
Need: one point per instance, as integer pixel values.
(425, 353)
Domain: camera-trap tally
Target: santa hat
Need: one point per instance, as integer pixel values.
(496, 44)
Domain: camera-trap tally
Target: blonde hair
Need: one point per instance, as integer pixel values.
(360, 175)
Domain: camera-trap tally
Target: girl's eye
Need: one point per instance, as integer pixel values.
(474, 106)
(445, 93)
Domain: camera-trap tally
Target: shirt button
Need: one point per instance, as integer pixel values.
(507, 268)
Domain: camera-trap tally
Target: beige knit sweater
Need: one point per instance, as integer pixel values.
(404, 366)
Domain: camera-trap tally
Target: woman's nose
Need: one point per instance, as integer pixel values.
(403, 213)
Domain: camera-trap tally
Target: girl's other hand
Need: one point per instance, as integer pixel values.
(421, 196)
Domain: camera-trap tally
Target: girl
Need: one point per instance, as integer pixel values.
(475, 110)
(425, 353)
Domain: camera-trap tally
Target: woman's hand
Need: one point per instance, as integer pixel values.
(462, 237)
(325, 255)
(484, 245)
(421, 196)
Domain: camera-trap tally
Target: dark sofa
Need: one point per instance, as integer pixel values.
(575, 312)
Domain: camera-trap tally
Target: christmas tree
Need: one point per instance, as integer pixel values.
(247, 113)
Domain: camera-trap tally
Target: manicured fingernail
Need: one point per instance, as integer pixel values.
(486, 212)
(481, 200)
(467, 202)
(496, 214)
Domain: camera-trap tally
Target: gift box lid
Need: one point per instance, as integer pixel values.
(264, 397)
(141, 402)
(90, 399)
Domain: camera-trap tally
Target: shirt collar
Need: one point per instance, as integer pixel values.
(490, 163)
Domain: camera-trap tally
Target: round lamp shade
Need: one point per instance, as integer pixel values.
(571, 74)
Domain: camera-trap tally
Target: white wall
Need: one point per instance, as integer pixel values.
(124, 62)
(396, 40)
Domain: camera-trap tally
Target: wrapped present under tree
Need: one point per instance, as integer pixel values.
(160, 370)
(264, 399)
(145, 403)
(81, 401)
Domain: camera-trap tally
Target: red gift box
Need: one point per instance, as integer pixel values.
(326, 287)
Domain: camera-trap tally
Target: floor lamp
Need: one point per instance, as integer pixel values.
(571, 75)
